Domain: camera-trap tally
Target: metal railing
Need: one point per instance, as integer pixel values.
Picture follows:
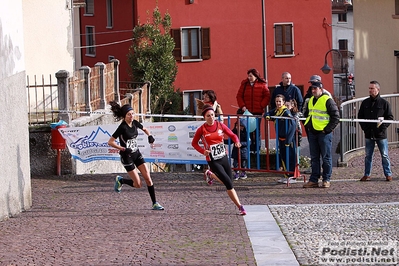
(87, 90)
(352, 136)
(42, 98)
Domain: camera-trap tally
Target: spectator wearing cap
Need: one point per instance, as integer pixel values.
(289, 90)
(322, 117)
(308, 94)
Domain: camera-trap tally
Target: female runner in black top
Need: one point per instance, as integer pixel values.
(129, 151)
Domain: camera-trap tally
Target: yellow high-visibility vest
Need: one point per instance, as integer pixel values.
(318, 113)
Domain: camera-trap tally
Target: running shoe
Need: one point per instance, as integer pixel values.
(243, 175)
(242, 210)
(237, 175)
(118, 184)
(157, 207)
(291, 180)
(208, 177)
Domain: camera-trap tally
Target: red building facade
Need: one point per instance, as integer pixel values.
(219, 40)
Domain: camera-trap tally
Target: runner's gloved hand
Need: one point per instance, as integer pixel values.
(151, 139)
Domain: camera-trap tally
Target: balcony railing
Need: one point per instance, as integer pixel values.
(340, 6)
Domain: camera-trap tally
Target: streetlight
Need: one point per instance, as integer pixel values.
(326, 69)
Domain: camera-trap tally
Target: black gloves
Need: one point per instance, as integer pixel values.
(151, 139)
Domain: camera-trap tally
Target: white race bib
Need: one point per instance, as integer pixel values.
(218, 151)
(132, 144)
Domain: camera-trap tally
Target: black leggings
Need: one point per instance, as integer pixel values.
(221, 168)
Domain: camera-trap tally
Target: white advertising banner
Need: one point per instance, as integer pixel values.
(172, 142)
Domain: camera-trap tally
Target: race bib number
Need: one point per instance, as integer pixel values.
(218, 151)
(132, 144)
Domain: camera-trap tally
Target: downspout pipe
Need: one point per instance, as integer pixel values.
(264, 40)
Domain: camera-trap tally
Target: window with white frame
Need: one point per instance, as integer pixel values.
(191, 44)
(283, 39)
(189, 102)
(110, 18)
(89, 7)
(90, 41)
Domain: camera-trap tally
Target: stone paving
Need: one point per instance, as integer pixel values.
(80, 220)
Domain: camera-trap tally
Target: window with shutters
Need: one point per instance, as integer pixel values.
(90, 41)
(283, 40)
(191, 44)
(89, 7)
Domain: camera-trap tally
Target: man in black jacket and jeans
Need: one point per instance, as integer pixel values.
(375, 108)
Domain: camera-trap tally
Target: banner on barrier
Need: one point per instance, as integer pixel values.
(172, 142)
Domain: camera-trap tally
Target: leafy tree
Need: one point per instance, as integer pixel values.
(151, 59)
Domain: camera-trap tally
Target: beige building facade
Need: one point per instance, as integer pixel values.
(376, 39)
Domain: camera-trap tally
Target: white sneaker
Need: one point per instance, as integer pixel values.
(292, 180)
(282, 180)
(208, 177)
(236, 176)
(243, 175)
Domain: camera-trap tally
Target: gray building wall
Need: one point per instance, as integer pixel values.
(15, 188)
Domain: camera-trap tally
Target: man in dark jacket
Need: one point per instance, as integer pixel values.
(322, 117)
(289, 90)
(375, 108)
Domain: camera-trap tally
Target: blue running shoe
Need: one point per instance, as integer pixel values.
(157, 207)
(118, 184)
(237, 175)
(243, 175)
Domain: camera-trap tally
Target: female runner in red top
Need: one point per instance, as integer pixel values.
(211, 133)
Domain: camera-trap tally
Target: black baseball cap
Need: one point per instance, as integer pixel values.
(316, 84)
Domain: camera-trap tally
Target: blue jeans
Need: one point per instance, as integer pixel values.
(320, 145)
(382, 145)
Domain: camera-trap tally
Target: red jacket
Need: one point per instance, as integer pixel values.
(255, 98)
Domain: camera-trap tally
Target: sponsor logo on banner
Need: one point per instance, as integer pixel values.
(173, 146)
(172, 138)
(171, 128)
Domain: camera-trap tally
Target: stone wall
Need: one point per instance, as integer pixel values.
(43, 159)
